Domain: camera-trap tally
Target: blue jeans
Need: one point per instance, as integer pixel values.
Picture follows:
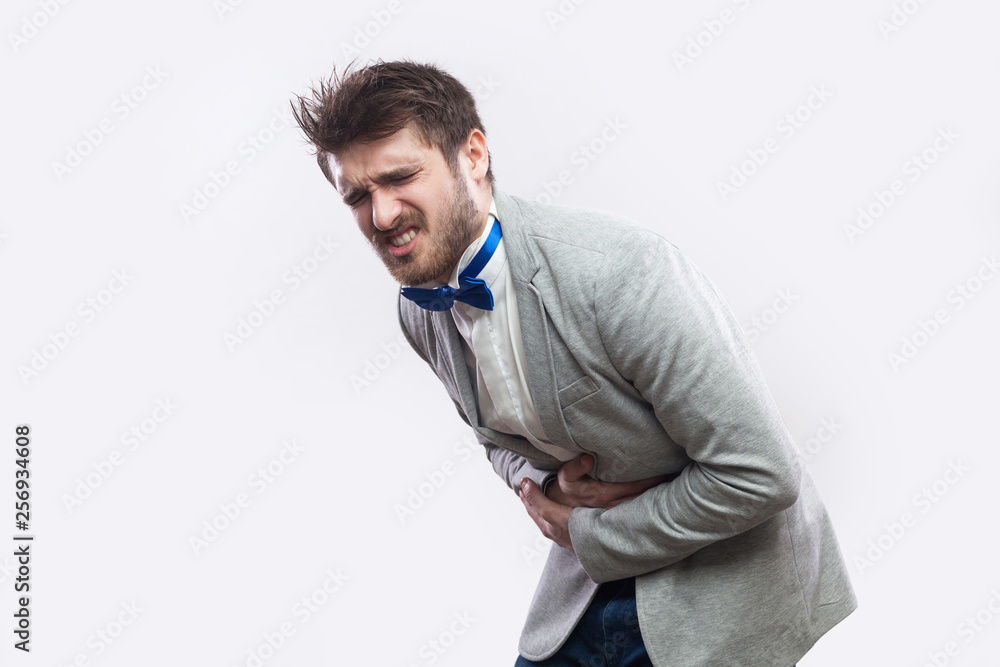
(607, 634)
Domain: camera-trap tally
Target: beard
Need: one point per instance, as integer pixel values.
(440, 247)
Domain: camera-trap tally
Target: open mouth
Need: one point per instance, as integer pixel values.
(402, 239)
(403, 243)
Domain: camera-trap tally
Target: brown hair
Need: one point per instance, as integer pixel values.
(380, 99)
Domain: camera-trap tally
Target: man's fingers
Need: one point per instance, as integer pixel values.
(619, 501)
(550, 517)
(611, 491)
(529, 497)
(575, 487)
(636, 486)
(615, 493)
(532, 511)
(576, 468)
(532, 495)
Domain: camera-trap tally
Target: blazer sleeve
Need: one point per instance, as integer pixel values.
(666, 329)
(511, 467)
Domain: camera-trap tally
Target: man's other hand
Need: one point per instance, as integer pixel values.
(573, 487)
(550, 517)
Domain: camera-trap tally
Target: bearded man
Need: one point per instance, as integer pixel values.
(609, 383)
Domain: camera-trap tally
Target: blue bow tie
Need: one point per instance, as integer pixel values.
(471, 290)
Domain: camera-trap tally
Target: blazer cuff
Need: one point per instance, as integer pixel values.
(537, 475)
(548, 480)
(588, 549)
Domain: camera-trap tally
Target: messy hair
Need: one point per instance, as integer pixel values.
(382, 98)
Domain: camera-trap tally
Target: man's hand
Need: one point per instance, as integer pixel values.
(550, 517)
(573, 487)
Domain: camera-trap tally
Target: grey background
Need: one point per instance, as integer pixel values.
(548, 78)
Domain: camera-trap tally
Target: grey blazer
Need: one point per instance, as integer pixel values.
(634, 357)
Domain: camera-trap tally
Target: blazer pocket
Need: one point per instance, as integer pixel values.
(579, 389)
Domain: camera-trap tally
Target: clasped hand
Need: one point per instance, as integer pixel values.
(574, 487)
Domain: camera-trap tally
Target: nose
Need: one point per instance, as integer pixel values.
(385, 209)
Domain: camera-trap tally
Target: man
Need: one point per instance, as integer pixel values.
(609, 384)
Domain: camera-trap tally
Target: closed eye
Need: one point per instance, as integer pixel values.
(358, 198)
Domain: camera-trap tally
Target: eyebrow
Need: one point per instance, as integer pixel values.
(383, 178)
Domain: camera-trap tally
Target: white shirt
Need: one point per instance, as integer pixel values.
(494, 351)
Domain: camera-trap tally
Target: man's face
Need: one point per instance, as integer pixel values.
(418, 216)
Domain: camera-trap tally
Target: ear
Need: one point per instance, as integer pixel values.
(477, 155)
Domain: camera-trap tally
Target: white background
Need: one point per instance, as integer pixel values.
(547, 83)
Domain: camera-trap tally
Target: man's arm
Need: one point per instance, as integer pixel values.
(672, 335)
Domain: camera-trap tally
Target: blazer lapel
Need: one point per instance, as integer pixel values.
(445, 325)
(534, 330)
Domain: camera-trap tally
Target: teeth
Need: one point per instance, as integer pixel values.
(403, 239)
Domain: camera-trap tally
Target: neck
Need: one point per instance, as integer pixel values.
(483, 197)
